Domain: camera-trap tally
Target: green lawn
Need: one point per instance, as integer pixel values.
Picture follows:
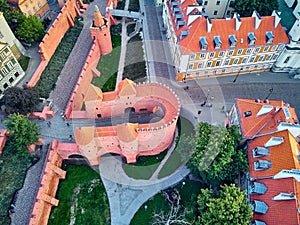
(24, 61)
(176, 159)
(144, 167)
(12, 172)
(135, 65)
(188, 193)
(108, 67)
(82, 189)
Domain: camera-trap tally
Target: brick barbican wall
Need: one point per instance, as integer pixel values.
(54, 35)
(88, 71)
(45, 198)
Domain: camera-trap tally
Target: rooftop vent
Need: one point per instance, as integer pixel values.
(247, 114)
(257, 100)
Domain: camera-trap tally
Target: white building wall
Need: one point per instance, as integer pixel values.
(216, 8)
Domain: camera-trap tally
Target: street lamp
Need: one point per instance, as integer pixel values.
(205, 101)
(237, 74)
(270, 92)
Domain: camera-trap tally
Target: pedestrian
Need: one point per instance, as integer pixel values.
(49, 123)
(70, 137)
(68, 124)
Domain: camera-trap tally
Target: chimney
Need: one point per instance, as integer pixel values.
(257, 19)
(238, 21)
(208, 25)
(277, 18)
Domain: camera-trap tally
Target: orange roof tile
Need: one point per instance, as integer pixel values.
(282, 156)
(260, 124)
(280, 212)
(224, 28)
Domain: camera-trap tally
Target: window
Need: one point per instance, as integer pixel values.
(221, 53)
(240, 51)
(29, 12)
(205, 3)
(209, 63)
(202, 55)
(261, 58)
(268, 57)
(218, 3)
(3, 55)
(274, 47)
(39, 4)
(215, 12)
(251, 38)
(226, 62)
(287, 59)
(217, 42)
(211, 55)
(281, 47)
(13, 61)
(192, 57)
(26, 5)
(244, 59)
(203, 43)
(5, 85)
(199, 65)
(231, 4)
(11, 80)
(218, 63)
(235, 61)
(10, 65)
(228, 12)
(266, 48)
(190, 66)
(275, 56)
(260, 151)
(249, 50)
(232, 40)
(34, 9)
(262, 165)
(17, 74)
(4, 71)
(269, 37)
(257, 50)
(230, 53)
(251, 60)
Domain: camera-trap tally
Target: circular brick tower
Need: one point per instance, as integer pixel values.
(100, 32)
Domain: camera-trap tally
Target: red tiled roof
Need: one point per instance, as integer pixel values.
(254, 125)
(280, 212)
(224, 28)
(282, 156)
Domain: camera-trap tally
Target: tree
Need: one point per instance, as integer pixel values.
(30, 30)
(22, 133)
(215, 157)
(19, 100)
(227, 207)
(246, 7)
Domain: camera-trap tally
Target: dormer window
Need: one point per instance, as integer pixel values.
(260, 151)
(217, 42)
(258, 188)
(181, 23)
(259, 207)
(184, 33)
(251, 38)
(177, 9)
(258, 222)
(270, 37)
(232, 40)
(174, 4)
(179, 16)
(203, 43)
(262, 165)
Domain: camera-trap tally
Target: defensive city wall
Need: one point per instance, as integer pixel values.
(54, 35)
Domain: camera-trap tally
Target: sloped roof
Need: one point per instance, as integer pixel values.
(126, 87)
(224, 28)
(282, 156)
(260, 124)
(127, 132)
(93, 93)
(279, 211)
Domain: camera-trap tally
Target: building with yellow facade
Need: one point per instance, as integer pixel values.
(203, 47)
(31, 7)
(10, 70)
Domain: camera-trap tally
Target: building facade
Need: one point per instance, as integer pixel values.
(7, 36)
(217, 9)
(10, 70)
(31, 7)
(201, 47)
